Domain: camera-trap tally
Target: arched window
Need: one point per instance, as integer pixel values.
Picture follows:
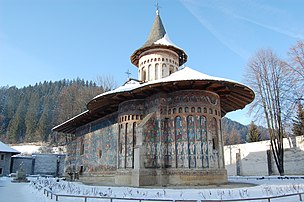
(178, 129)
(144, 74)
(156, 70)
(186, 109)
(174, 110)
(214, 134)
(210, 111)
(180, 110)
(191, 142)
(164, 66)
(149, 72)
(199, 110)
(190, 128)
(171, 70)
(192, 109)
(203, 128)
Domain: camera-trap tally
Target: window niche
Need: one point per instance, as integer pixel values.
(81, 147)
(99, 153)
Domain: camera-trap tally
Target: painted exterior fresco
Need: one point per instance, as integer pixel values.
(94, 153)
(129, 115)
(178, 133)
(188, 136)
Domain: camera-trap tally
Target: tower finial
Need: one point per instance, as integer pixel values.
(128, 73)
(157, 8)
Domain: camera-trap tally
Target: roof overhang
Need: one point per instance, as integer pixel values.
(136, 55)
(233, 96)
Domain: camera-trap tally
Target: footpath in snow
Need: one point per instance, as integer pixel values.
(264, 187)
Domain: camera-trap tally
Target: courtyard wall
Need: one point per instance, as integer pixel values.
(39, 164)
(252, 158)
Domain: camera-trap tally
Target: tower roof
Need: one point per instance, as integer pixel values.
(158, 38)
(157, 32)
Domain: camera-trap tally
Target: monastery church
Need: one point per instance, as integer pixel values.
(160, 129)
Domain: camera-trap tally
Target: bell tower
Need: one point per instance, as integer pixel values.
(158, 57)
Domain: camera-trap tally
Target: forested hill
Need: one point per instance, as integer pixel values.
(28, 114)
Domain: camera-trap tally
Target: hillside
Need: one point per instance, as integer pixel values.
(28, 114)
(236, 133)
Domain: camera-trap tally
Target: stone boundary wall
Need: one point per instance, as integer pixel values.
(253, 160)
(39, 164)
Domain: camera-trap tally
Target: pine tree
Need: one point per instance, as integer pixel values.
(31, 117)
(298, 123)
(254, 134)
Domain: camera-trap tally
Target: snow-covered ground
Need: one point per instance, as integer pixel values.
(269, 186)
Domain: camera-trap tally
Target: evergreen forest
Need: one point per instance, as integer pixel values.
(28, 114)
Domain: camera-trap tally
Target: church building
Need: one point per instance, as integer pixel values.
(163, 128)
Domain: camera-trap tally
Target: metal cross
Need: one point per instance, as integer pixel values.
(157, 7)
(128, 73)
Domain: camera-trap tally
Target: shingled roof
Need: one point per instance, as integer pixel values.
(157, 32)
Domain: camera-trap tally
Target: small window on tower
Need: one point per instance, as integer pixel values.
(99, 153)
(120, 148)
(81, 147)
(1, 171)
(199, 110)
(186, 109)
(2, 157)
(192, 109)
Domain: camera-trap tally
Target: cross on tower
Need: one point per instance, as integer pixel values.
(157, 7)
(128, 73)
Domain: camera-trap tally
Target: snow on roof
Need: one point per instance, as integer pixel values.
(70, 119)
(128, 86)
(188, 73)
(5, 148)
(183, 74)
(165, 41)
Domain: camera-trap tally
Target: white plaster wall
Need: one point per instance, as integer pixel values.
(162, 57)
(254, 158)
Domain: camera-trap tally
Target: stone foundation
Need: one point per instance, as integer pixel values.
(152, 177)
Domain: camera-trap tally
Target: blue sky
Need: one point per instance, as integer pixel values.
(56, 39)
